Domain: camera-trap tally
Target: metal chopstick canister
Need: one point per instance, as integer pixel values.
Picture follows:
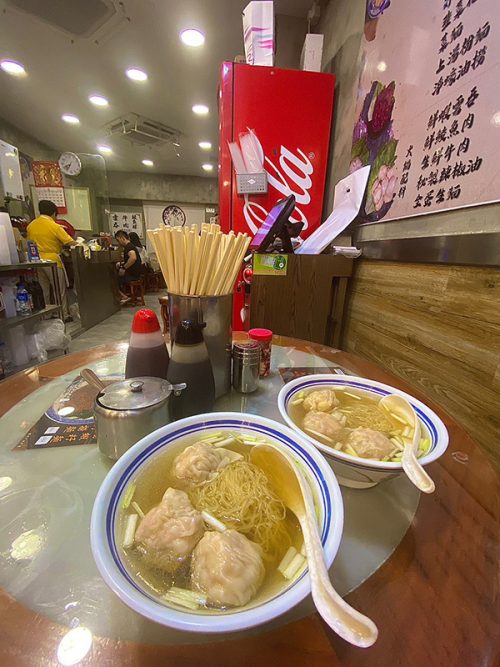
(246, 364)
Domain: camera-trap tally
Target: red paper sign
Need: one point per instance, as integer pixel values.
(47, 174)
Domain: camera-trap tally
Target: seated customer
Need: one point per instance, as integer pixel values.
(136, 241)
(130, 269)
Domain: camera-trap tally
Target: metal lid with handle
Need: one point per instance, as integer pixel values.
(137, 393)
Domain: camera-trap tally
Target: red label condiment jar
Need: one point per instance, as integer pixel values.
(265, 339)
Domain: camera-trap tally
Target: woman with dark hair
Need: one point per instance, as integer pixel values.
(136, 241)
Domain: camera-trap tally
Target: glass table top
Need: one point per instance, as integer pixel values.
(46, 499)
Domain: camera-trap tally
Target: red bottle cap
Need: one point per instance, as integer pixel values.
(145, 321)
(260, 334)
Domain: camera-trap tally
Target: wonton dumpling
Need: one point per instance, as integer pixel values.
(200, 462)
(321, 400)
(227, 567)
(327, 424)
(169, 532)
(369, 444)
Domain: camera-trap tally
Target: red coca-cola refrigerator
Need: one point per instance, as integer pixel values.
(290, 111)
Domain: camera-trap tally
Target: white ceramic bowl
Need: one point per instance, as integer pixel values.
(350, 470)
(104, 523)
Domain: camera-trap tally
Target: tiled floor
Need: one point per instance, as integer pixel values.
(116, 328)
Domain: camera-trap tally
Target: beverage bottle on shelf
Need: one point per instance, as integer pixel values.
(190, 363)
(147, 353)
(29, 288)
(39, 294)
(22, 300)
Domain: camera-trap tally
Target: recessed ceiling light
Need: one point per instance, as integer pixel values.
(207, 167)
(192, 37)
(12, 67)
(148, 163)
(70, 118)
(102, 148)
(200, 109)
(136, 74)
(495, 119)
(98, 100)
(205, 145)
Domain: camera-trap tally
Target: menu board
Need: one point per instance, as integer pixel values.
(428, 108)
(129, 222)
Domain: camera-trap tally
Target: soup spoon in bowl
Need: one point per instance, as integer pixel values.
(411, 465)
(289, 483)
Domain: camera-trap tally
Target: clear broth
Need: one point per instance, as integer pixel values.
(362, 411)
(151, 484)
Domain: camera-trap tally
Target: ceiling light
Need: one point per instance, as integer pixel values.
(70, 118)
(192, 37)
(495, 119)
(382, 66)
(200, 109)
(98, 100)
(205, 145)
(148, 163)
(136, 74)
(207, 166)
(102, 148)
(12, 67)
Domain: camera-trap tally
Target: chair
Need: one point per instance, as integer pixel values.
(164, 313)
(135, 289)
(153, 281)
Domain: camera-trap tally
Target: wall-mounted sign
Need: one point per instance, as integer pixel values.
(10, 171)
(211, 214)
(173, 216)
(49, 183)
(129, 222)
(428, 111)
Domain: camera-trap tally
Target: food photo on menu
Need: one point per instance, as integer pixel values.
(249, 333)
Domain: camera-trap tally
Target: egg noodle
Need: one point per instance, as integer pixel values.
(241, 497)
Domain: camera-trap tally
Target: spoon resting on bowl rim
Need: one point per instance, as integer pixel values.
(411, 465)
(290, 484)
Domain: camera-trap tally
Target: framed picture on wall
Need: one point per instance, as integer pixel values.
(173, 216)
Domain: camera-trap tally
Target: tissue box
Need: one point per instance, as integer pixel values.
(258, 33)
(312, 52)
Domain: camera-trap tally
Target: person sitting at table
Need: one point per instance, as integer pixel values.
(130, 268)
(136, 241)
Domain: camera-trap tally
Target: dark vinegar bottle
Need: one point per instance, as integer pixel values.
(190, 363)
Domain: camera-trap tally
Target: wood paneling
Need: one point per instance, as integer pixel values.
(307, 303)
(438, 328)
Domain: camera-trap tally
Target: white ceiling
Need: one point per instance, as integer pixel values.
(62, 72)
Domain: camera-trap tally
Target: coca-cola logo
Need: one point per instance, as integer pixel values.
(292, 176)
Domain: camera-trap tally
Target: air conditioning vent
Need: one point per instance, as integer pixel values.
(143, 131)
(76, 17)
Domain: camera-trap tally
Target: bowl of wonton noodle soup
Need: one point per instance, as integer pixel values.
(190, 533)
(362, 441)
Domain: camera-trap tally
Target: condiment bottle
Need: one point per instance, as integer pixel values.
(190, 363)
(246, 360)
(265, 339)
(147, 354)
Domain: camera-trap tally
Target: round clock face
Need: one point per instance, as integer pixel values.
(173, 216)
(70, 164)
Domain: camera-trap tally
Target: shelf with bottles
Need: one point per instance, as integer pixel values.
(8, 322)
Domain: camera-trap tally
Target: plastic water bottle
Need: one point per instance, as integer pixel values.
(22, 300)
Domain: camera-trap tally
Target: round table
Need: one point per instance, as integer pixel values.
(423, 568)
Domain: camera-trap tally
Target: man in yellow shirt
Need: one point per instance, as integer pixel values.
(50, 239)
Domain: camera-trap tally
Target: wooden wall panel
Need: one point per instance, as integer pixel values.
(438, 328)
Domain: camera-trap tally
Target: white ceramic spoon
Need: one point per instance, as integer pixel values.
(411, 465)
(291, 486)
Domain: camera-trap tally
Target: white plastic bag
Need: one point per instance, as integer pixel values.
(258, 33)
(53, 335)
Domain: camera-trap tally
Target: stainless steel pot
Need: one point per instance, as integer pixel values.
(127, 411)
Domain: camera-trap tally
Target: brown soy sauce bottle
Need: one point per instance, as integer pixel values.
(190, 363)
